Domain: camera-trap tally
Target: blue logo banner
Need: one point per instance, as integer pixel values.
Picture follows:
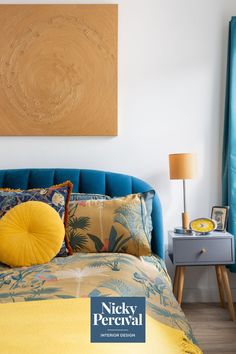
(118, 319)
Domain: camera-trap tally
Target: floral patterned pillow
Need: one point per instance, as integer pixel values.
(116, 225)
(57, 196)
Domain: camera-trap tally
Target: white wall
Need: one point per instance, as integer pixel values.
(172, 58)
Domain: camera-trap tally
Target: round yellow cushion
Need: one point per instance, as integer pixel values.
(30, 233)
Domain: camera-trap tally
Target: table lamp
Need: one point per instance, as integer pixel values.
(183, 166)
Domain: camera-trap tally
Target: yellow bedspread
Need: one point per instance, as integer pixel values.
(63, 327)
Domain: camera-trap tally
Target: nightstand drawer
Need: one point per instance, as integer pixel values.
(205, 251)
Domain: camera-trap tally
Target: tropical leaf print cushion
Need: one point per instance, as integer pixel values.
(57, 197)
(116, 225)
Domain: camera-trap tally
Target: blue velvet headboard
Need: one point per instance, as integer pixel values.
(88, 181)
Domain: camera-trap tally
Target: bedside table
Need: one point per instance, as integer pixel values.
(215, 249)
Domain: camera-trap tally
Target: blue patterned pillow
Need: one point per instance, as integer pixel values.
(147, 197)
(88, 196)
(57, 197)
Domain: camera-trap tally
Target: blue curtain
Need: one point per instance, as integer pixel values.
(229, 144)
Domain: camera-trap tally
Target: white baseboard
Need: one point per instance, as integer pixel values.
(203, 295)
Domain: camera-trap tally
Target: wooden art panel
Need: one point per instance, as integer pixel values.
(58, 70)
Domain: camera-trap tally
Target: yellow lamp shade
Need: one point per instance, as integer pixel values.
(182, 166)
(30, 233)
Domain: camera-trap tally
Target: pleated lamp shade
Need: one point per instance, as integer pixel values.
(182, 166)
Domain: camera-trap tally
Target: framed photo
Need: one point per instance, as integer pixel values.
(220, 215)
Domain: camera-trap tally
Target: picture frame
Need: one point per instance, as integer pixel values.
(220, 215)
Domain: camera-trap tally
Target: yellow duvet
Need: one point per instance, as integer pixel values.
(63, 327)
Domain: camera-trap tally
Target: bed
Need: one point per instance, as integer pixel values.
(82, 275)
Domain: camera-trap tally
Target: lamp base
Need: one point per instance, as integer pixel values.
(185, 221)
(181, 231)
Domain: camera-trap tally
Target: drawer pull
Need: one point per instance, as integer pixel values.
(203, 250)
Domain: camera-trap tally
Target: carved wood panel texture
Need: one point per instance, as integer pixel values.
(58, 70)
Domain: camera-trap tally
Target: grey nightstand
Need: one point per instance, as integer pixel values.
(215, 249)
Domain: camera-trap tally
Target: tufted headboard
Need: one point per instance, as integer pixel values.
(88, 181)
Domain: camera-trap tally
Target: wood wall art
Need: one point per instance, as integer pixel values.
(58, 70)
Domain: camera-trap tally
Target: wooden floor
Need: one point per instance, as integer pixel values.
(212, 327)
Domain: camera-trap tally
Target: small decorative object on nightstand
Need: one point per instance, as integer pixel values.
(215, 249)
(220, 215)
(203, 226)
